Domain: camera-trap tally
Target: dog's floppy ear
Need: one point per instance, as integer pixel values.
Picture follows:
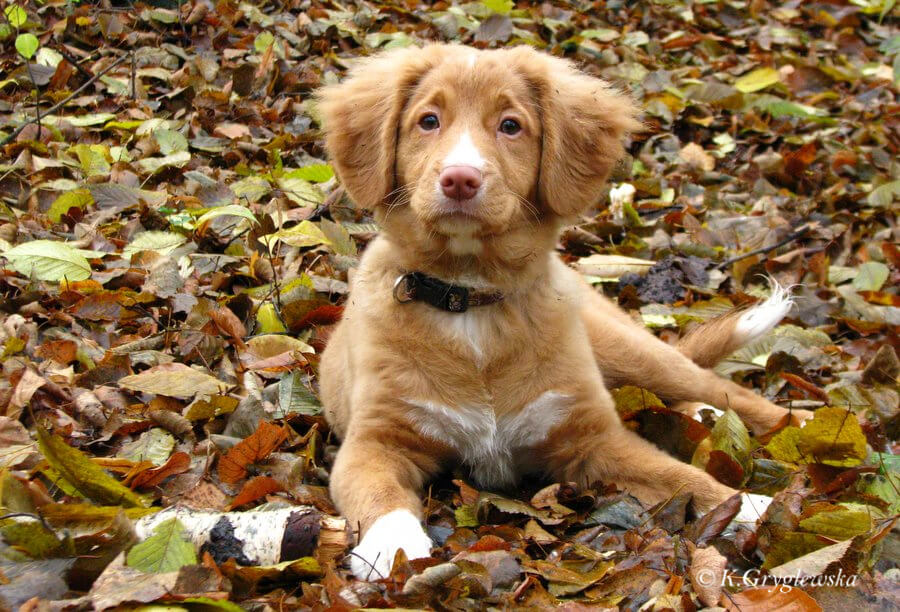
(583, 122)
(360, 117)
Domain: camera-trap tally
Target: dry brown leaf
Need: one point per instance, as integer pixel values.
(266, 438)
(707, 573)
(771, 599)
(254, 489)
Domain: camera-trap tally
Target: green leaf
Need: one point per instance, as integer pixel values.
(730, 436)
(884, 195)
(294, 396)
(871, 277)
(338, 237)
(152, 165)
(315, 173)
(50, 261)
(166, 550)
(300, 191)
(235, 210)
(163, 243)
(263, 41)
(466, 516)
(791, 545)
(93, 159)
(78, 198)
(304, 234)
(83, 474)
(252, 188)
(839, 524)
(154, 445)
(37, 541)
(267, 320)
(27, 44)
(170, 141)
(498, 6)
(757, 80)
(16, 15)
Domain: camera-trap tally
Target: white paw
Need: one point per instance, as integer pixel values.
(752, 507)
(374, 556)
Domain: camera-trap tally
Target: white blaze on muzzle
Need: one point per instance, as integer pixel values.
(465, 153)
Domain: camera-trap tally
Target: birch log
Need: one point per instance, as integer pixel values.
(258, 537)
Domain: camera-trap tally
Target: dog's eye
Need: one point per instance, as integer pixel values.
(510, 127)
(429, 122)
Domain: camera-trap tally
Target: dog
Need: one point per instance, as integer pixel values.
(465, 339)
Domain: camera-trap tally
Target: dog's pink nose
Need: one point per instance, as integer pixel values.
(460, 182)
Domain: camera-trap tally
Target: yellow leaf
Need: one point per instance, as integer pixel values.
(833, 437)
(757, 80)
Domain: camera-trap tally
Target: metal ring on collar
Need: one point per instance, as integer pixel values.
(403, 284)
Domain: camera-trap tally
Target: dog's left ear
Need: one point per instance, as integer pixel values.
(584, 121)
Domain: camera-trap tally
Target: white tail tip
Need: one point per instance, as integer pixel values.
(763, 317)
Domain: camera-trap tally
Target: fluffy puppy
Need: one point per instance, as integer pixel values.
(465, 339)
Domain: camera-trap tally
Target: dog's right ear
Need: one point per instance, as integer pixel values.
(361, 115)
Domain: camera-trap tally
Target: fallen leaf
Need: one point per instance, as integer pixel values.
(267, 437)
(173, 380)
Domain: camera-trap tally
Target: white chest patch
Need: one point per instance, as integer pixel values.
(486, 444)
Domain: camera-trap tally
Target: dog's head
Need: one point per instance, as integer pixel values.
(454, 148)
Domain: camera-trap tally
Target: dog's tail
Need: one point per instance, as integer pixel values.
(711, 342)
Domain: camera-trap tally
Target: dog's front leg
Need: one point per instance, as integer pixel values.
(376, 484)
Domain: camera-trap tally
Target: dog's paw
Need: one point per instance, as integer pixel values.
(373, 557)
(752, 508)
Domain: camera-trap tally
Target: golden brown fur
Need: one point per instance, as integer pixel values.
(412, 389)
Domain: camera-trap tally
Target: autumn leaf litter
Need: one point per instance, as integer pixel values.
(176, 250)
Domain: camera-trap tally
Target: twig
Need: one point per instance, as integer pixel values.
(75, 64)
(28, 515)
(66, 100)
(37, 98)
(797, 234)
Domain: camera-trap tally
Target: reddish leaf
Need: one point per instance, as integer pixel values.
(801, 383)
(255, 488)
(715, 521)
(725, 469)
(177, 463)
(267, 437)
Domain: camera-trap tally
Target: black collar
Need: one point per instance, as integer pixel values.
(452, 298)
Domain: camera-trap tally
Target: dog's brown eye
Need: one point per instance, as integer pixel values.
(429, 122)
(510, 127)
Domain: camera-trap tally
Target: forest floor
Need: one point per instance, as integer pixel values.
(175, 251)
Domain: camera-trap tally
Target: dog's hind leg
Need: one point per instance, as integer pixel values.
(628, 354)
(590, 448)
